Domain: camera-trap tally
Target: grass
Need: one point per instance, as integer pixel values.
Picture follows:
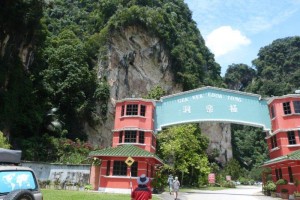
(50, 194)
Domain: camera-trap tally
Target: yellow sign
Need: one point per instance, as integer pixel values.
(129, 161)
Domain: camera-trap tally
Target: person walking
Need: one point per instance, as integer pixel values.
(170, 183)
(176, 185)
(142, 192)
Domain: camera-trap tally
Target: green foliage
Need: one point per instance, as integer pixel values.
(192, 62)
(70, 83)
(159, 181)
(96, 161)
(281, 182)
(88, 187)
(256, 173)
(239, 76)
(228, 184)
(183, 147)
(246, 181)
(4, 142)
(270, 186)
(249, 146)
(20, 15)
(51, 194)
(20, 112)
(278, 68)
(155, 93)
(50, 149)
(233, 169)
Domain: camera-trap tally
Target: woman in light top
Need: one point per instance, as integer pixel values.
(176, 186)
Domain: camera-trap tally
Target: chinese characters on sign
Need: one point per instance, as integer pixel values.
(209, 108)
(187, 109)
(233, 108)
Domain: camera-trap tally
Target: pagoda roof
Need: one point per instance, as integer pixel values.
(125, 150)
(292, 156)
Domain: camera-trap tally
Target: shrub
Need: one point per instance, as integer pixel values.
(281, 182)
(228, 184)
(88, 187)
(4, 142)
(270, 186)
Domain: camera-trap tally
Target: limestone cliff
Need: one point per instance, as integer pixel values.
(138, 61)
(219, 135)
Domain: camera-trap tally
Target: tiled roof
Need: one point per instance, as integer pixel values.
(292, 156)
(125, 151)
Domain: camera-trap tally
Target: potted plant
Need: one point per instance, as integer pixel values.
(270, 188)
(281, 182)
(284, 193)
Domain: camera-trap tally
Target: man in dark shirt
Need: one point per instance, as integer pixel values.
(142, 192)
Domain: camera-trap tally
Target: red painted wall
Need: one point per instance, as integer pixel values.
(295, 165)
(145, 166)
(281, 124)
(134, 121)
(148, 145)
(282, 121)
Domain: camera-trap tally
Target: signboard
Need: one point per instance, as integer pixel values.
(212, 104)
(129, 161)
(211, 178)
(228, 178)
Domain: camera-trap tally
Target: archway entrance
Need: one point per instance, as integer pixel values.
(210, 104)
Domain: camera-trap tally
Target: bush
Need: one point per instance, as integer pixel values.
(246, 181)
(270, 186)
(88, 187)
(228, 184)
(4, 142)
(281, 182)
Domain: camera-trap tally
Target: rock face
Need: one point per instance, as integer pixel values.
(219, 135)
(137, 62)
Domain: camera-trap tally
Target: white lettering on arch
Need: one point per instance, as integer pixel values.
(215, 95)
(182, 100)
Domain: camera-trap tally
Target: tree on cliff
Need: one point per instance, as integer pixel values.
(278, 68)
(239, 76)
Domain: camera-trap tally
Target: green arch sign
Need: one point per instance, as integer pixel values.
(212, 104)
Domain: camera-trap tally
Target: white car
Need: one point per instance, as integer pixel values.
(17, 182)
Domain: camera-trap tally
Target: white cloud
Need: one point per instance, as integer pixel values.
(225, 39)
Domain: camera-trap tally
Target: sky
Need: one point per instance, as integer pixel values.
(235, 30)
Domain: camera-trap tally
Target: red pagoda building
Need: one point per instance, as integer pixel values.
(133, 149)
(284, 140)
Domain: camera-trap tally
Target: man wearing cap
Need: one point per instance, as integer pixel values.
(142, 192)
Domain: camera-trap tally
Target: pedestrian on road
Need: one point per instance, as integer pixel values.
(176, 186)
(142, 192)
(170, 183)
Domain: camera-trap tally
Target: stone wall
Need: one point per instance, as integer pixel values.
(62, 174)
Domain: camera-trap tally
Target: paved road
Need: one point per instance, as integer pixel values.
(239, 193)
